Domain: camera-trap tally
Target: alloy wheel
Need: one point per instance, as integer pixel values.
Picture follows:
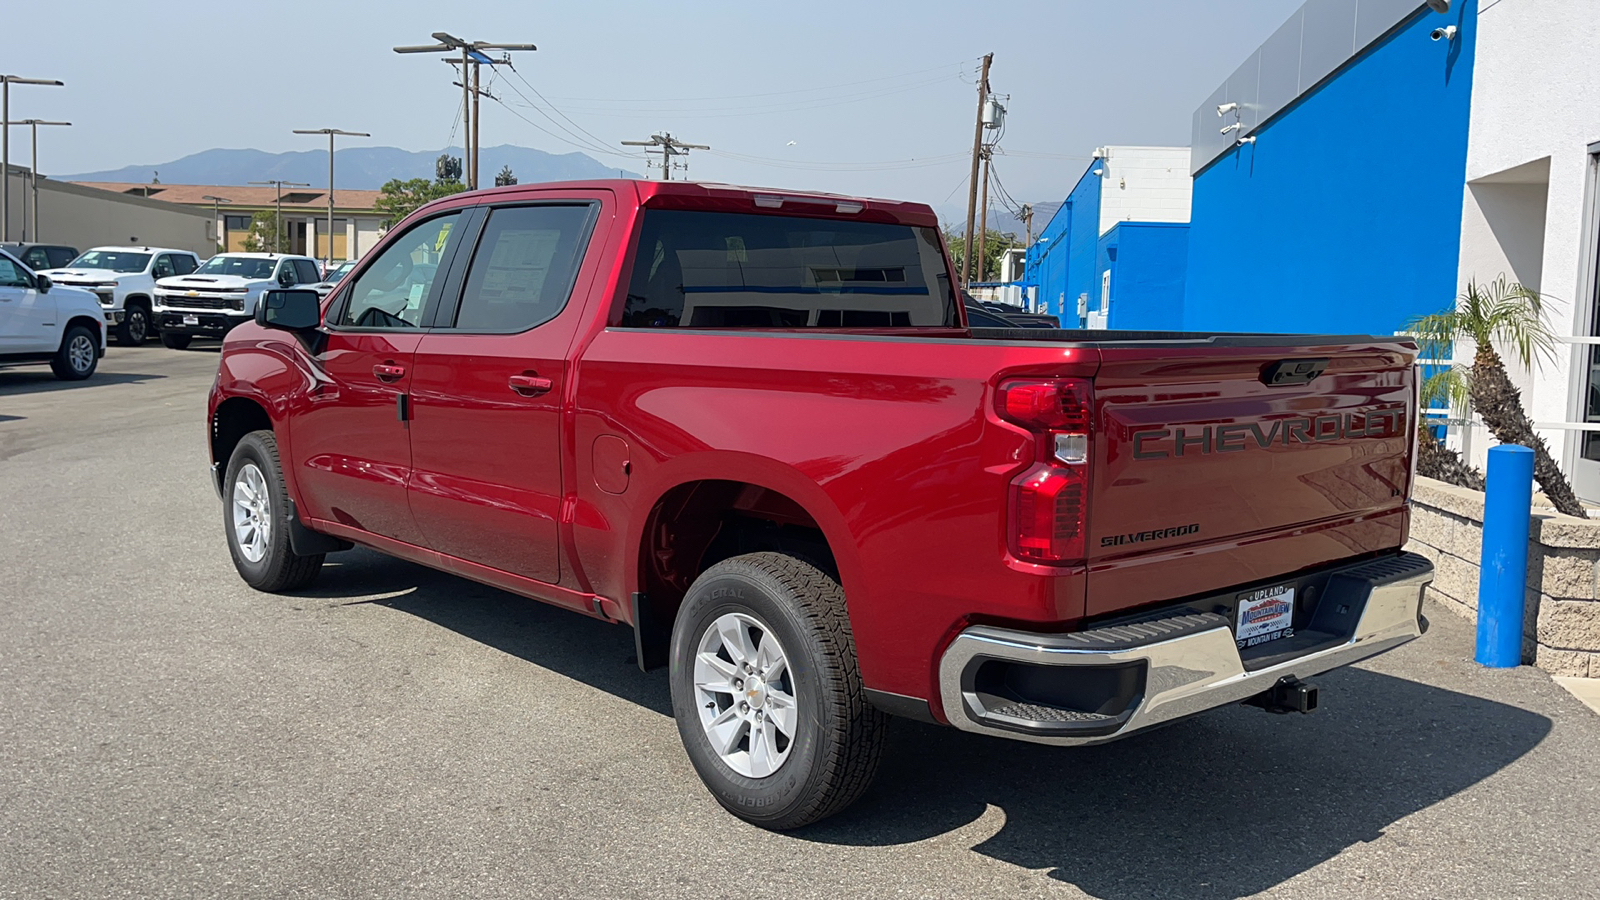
(80, 353)
(745, 695)
(252, 512)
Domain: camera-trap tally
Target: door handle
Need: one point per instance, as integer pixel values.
(530, 385)
(388, 372)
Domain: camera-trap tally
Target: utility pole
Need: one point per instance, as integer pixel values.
(470, 162)
(983, 215)
(330, 132)
(972, 184)
(33, 178)
(471, 54)
(1027, 223)
(668, 146)
(277, 229)
(6, 81)
(216, 214)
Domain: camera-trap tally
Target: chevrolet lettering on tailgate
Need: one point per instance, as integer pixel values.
(1189, 440)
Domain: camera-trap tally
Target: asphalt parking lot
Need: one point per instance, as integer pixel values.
(395, 732)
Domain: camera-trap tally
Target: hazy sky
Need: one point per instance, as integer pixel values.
(812, 90)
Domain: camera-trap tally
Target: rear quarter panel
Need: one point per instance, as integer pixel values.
(889, 443)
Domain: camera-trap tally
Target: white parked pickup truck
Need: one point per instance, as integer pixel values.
(223, 293)
(41, 323)
(124, 279)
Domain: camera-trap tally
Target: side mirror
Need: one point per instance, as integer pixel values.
(43, 283)
(289, 310)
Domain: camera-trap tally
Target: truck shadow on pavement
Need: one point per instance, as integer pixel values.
(1227, 804)
(30, 382)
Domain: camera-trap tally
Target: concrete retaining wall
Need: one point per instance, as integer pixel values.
(1561, 631)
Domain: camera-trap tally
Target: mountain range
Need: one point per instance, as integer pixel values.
(355, 168)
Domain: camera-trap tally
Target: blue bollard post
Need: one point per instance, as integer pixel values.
(1504, 576)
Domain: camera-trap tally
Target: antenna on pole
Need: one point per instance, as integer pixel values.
(669, 147)
(471, 55)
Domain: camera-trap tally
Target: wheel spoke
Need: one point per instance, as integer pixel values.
(725, 730)
(763, 749)
(735, 639)
(769, 658)
(781, 712)
(713, 674)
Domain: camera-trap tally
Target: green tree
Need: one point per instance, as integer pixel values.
(1497, 317)
(505, 178)
(995, 244)
(266, 234)
(398, 199)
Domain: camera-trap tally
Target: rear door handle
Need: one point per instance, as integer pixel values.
(388, 372)
(530, 385)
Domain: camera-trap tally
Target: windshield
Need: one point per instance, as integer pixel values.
(115, 260)
(340, 272)
(242, 266)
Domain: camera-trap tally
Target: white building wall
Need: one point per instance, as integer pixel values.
(87, 217)
(1144, 184)
(1535, 111)
(367, 233)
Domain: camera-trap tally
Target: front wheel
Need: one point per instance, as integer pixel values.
(767, 693)
(255, 513)
(135, 326)
(79, 354)
(173, 341)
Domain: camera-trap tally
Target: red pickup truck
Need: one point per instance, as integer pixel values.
(753, 426)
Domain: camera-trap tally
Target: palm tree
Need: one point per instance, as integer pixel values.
(1509, 315)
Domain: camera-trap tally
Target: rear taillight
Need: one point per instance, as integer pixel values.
(1050, 502)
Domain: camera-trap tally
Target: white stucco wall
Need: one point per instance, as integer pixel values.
(1535, 111)
(87, 217)
(1145, 184)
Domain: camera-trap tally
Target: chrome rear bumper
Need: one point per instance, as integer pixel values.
(1188, 661)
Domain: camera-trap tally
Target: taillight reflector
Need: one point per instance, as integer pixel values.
(1048, 506)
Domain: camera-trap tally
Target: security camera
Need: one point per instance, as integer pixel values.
(1225, 108)
(1235, 126)
(1447, 33)
(1439, 6)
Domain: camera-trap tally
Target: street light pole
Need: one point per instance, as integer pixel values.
(33, 178)
(6, 81)
(216, 213)
(330, 132)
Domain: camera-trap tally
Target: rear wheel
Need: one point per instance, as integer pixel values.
(255, 511)
(79, 354)
(767, 693)
(173, 341)
(135, 325)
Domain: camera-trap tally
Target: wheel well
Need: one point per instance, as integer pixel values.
(92, 324)
(235, 418)
(136, 300)
(697, 525)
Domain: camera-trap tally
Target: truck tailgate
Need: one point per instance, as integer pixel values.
(1217, 464)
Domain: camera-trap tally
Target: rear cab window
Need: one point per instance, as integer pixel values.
(700, 269)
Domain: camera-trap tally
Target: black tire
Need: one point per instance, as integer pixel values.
(135, 327)
(839, 737)
(79, 355)
(173, 341)
(278, 568)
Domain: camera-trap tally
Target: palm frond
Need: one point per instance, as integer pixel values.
(1449, 387)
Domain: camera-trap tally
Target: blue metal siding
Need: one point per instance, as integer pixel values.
(1060, 264)
(1148, 263)
(1345, 215)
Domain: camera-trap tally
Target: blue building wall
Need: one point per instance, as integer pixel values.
(1345, 214)
(1060, 264)
(1148, 262)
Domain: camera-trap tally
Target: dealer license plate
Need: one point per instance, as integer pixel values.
(191, 320)
(1264, 615)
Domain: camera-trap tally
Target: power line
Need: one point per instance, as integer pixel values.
(819, 166)
(565, 140)
(818, 89)
(586, 140)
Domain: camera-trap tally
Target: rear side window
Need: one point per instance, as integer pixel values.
(183, 264)
(61, 257)
(307, 271)
(523, 269)
(742, 270)
(36, 259)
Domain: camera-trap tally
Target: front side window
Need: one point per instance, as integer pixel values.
(12, 274)
(745, 270)
(163, 267)
(36, 259)
(394, 291)
(523, 269)
(113, 260)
